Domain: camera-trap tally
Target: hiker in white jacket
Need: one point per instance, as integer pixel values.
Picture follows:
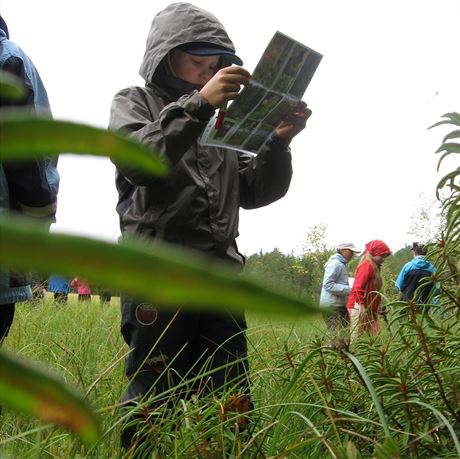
(336, 288)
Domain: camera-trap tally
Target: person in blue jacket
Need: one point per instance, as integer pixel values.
(60, 287)
(336, 287)
(412, 274)
(28, 188)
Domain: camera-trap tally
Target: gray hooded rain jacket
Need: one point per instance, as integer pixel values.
(197, 204)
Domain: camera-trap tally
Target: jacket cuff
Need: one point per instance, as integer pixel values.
(277, 149)
(197, 105)
(279, 143)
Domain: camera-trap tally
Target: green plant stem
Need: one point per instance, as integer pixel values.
(429, 362)
(362, 373)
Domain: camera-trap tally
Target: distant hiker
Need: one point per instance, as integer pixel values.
(29, 187)
(364, 300)
(38, 285)
(105, 296)
(188, 75)
(336, 287)
(83, 289)
(60, 288)
(412, 274)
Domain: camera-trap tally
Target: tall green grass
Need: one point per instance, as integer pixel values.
(310, 399)
(82, 343)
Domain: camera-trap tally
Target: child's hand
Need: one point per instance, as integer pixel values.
(294, 122)
(225, 85)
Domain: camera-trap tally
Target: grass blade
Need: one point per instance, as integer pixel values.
(362, 372)
(25, 137)
(440, 416)
(31, 390)
(162, 274)
(11, 87)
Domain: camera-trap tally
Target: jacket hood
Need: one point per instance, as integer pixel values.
(420, 263)
(178, 24)
(338, 257)
(4, 28)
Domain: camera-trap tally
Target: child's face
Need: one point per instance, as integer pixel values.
(197, 70)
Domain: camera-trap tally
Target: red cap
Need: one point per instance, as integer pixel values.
(378, 248)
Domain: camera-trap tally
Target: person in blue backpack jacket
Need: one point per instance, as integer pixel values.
(60, 287)
(412, 273)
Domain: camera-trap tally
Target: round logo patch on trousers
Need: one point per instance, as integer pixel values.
(146, 314)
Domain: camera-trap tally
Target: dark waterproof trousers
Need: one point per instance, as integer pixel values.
(6, 319)
(170, 347)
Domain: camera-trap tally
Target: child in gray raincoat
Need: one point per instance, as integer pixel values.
(188, 75)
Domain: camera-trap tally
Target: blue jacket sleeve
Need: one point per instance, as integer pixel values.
(32, 185)
(402, 277)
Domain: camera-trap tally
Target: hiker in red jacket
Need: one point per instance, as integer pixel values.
(364, 300)
(83, 289)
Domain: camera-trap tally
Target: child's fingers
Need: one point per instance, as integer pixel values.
(234, 70)
(234, 79)
(299, 113)
(237, 75)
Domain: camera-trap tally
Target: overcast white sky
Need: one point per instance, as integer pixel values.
(390, 69)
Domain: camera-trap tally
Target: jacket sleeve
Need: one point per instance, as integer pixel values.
(30, 191)
(175, 130)
(363, 277)
(32, 185)
(265, 178)
(402, 277)
(331, 274)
